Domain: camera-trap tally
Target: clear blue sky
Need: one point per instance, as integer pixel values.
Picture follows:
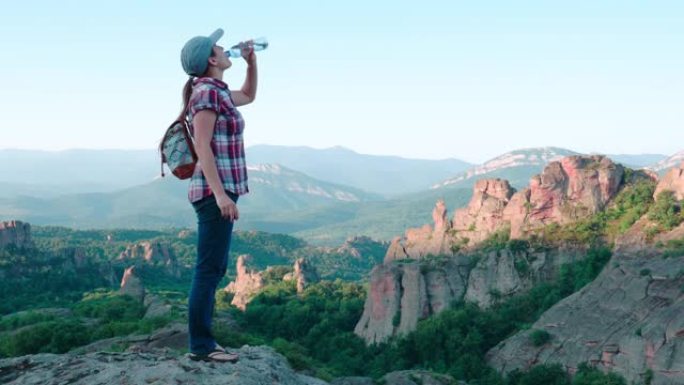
(419, 79)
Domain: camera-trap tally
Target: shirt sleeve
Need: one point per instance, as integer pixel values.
(205, 99)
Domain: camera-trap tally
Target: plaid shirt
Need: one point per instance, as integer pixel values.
(226, 143)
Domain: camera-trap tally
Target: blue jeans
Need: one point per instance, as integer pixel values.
(213, 244)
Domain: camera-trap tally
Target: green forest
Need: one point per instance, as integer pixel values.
(312, 329)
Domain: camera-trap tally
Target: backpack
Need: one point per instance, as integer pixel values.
(177, 149)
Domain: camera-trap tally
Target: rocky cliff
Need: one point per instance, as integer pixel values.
(402, 293)
(304, 274)
(153, 254)
(568, 189)
(132, 285)
(15, 233)
(630, 320)
(572, 188)
(427, 240)
(249, 282)
(672, 181)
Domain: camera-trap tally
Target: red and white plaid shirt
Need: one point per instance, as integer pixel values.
(226, 143)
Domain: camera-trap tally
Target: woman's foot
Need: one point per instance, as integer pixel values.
(218, 355)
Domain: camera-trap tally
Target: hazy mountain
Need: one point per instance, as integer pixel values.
(72, 171)
(516, 166)
(637, 160)
(96, 170)
(665, 164)
(163, 202)
(389, 175)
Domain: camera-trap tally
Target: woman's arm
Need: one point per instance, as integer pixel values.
(203, 124)
(247, 93)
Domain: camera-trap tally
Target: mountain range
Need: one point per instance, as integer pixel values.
(358, 195)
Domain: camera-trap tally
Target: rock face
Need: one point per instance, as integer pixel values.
(629, 320)
(402, 377)
(304, 274)
(502, 274)
(426, 240)
(569, 189)
(247, 284)
(672, 181)
(15, 233)
(402, 293)
(257, 365)
(152, 253)
(484, 214)
(132, 285)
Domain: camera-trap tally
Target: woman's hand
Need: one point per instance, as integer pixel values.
(228, 208)
(248, 51)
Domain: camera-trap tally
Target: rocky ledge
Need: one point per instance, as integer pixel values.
(257, 365)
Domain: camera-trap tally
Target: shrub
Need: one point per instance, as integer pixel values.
(540, 375)
(592, 376)
(539, 337)
(666, 211)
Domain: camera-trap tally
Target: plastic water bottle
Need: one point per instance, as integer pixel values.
(259, 44)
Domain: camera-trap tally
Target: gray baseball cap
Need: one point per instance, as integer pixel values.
(197, 51)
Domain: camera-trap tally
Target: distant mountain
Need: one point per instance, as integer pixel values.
(662, 166)
(637, 160)
(515, 166)
(73, 171)
(163, 202)
(388, 175)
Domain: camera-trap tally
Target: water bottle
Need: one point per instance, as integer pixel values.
(258, 44)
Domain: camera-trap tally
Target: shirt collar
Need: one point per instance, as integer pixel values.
(208, 80)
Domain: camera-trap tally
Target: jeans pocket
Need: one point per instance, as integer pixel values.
(207, 209)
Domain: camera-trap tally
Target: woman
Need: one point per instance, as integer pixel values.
(220, 176)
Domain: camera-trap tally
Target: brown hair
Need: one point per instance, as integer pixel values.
(187, 89)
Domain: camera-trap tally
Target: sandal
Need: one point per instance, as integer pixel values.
(217, 355)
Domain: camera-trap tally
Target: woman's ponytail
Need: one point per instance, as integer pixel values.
(187, 92)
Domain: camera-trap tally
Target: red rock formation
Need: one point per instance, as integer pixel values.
(484, 214)
(153, 253)
(426, 240)
(401, 294)
(672, 181)
(567, 190)
(132, 285)
(15, 233)
(304, 274)
(247, 283)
